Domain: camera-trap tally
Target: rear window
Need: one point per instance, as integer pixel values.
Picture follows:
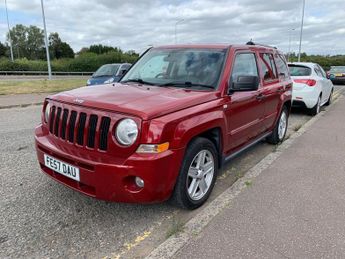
(337, 69)
(296, 70)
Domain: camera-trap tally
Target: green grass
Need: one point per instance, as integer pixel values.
(39, 86)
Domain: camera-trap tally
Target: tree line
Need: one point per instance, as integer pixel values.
(30, 54)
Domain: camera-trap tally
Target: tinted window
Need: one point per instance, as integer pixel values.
(318, 71)
(322, 71)
(268, 68)
(297, 70)
(244, 65)
(281, 65)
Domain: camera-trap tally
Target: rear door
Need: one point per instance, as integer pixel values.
(245, 109)
(272, 88)
(326, 83)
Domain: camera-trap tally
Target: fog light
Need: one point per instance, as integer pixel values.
(139, 182)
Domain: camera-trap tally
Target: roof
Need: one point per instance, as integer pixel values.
(217, 46)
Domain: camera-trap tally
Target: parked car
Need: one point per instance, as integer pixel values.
(108, 73)
(168, 126)
(311, 87)
(337, 74)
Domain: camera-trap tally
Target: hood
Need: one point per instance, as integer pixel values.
(143, 101)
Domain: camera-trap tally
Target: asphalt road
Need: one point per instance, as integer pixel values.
(40, 218)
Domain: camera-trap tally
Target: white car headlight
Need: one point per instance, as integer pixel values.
(47, 113)
(126, 132)
(110, 80)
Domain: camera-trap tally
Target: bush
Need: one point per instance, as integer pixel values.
(85, 62)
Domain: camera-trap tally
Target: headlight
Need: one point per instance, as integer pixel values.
(88, 82)
(126, 132)
(110, 80)
(47, 113)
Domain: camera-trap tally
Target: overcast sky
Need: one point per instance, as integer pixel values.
(131, 24)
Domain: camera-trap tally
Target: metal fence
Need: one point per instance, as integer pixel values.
(34, 73)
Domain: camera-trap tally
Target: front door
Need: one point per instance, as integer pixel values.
(245, 109)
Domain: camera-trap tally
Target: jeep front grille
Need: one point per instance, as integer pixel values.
(80, 128)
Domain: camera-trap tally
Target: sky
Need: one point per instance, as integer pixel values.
(135, 25)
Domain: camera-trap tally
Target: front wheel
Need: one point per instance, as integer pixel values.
(280, 129)
(197, 176)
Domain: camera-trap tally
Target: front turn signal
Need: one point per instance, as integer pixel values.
(153, 148)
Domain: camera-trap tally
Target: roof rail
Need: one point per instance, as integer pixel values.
(258, 44)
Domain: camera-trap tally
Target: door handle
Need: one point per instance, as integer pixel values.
(260, 97)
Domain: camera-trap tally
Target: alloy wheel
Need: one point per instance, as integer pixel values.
(200, 175)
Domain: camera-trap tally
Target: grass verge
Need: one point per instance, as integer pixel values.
(39, 86)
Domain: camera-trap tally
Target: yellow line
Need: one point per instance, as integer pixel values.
(129, 246)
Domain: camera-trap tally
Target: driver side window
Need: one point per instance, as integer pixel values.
(244, 65)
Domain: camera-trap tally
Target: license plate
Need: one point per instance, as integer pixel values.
(338, 74)
(62, 167)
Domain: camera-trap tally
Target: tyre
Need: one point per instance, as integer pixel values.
(316, 109)
(280, 128)
(330, 99)
(197, 175)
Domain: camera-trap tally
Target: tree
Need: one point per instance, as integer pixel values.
(3, 50)
(100, 49)
(58, 48)
(27, 42)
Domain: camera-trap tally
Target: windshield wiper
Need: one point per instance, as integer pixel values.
(186, 84)
(137, 80)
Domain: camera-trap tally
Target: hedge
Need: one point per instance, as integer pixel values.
(86, 62)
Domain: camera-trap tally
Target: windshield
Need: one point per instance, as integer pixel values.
(338, 69)
(106, 70)
(197, 68)
(299, 70)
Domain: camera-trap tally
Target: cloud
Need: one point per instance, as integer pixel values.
(136, 24)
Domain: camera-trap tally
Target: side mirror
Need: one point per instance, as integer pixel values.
(245, 83)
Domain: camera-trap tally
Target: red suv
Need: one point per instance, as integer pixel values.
(164, 131)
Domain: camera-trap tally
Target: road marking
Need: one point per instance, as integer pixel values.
(193, 227)
(129, 246)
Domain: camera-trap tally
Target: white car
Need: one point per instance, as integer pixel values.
(311, 87)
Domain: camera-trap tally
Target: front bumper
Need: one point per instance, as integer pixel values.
(115, 181)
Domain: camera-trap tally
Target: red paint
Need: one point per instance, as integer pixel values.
(163, 114)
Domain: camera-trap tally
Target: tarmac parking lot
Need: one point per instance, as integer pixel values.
(41, 218)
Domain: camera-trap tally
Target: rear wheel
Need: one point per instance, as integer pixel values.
(316, 109)
(330, 99)
(197, 175)
(280, 129)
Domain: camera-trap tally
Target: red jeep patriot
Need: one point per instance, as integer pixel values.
(167, 127)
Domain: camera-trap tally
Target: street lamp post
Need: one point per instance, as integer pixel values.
(46, 42)
(179, 21)
(9, 32)
(301, 33)
(289, 52)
